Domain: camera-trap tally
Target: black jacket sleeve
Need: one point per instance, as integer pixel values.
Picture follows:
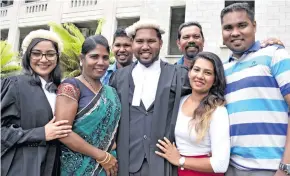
(113, 80)
(11, 131)
(186, 88)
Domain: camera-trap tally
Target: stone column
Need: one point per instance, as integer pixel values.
(14, 31)
(110, 23)
(56, 10)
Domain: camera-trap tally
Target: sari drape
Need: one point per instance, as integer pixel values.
(97, 124)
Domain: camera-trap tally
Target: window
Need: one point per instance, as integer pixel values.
(123, 23)
(4, 34)
(177, 18)
(29, 1)
(87, 28)
(251, 4)
(6, 3)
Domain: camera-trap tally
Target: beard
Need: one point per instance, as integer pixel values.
(148, 63)
(191, 55)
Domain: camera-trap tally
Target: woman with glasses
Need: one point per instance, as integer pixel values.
(93, 110)
(28, 128)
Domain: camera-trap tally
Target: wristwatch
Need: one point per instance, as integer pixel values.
(285, 168)
(181, 162)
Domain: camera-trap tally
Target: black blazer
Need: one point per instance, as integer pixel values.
(173, 83)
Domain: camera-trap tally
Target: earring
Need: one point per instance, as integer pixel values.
(81, 64)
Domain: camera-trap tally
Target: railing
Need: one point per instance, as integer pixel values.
(82, 3)
(3, 12)
(36, 7)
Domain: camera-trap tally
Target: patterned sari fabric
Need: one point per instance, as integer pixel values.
(97, 124)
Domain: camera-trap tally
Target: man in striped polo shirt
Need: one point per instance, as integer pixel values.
(258, 98)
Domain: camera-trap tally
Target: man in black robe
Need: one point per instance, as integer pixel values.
(150, 92)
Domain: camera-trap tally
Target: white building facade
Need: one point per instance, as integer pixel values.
(19, 17)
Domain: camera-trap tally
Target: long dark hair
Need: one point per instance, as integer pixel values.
(202, 114)
(55, 75)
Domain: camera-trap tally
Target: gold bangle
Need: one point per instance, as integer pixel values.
(107, 154)
(108, 159)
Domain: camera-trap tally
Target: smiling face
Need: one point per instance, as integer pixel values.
(202, 76)
(122, 49)
(40, 64)
(96, 62)
(238, 31)
(190, 42)
(146, 46)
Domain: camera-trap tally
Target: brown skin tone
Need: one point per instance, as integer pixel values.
(57, 130)
(95, 64)
(271, 41)
(43, 67)
(201, 78)
(122, 49)
(239, 35)
(238, 32)
(40, 64)
(193, 34)
(190, 34)
(146, 45)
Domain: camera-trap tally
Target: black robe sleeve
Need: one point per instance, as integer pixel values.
(185, 84)
(11, 132)
(112, 81)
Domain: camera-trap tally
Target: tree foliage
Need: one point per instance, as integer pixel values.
(9, 60)
(72, 39)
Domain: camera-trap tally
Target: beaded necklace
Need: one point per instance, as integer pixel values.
(91, 84)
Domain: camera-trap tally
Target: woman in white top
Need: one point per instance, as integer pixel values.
(202, 127)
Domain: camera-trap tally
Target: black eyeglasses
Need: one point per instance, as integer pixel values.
(38, 55)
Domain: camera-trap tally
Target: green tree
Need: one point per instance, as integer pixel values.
(72, 41)
(9, 60)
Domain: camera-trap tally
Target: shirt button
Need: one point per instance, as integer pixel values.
(145, 137)
(146, 113)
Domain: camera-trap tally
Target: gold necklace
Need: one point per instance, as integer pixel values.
(91, 84)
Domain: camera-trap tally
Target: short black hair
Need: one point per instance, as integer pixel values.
(120, 32)
(187, 24)
(238, 7)
(157, 32)
(55, 75)
(91, 42)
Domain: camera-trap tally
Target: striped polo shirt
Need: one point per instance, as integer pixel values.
(256, 85)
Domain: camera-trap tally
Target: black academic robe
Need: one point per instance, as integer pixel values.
(173, 83)
(25, 111)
